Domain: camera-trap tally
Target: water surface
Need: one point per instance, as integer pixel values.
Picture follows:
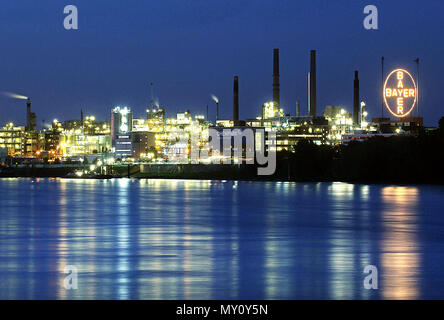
(177, 239)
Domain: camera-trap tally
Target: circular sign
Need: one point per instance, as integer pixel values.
(400, 93)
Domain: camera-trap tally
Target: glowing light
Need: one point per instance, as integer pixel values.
(14, 95)
(400, 99)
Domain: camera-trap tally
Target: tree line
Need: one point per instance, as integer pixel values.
(396, 159)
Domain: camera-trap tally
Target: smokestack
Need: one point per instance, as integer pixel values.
(312, 92)
(298, 109)
(28, 114)
(356, 99)
(216, 99)
(276, 86)
(236, 99)
(152, 100)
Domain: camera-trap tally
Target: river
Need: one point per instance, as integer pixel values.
(189, 239)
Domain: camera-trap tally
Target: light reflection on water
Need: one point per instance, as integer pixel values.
(400, 248)
(175, 239)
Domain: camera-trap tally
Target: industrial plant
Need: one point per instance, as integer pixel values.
(156, 138)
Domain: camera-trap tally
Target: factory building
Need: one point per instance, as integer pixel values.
(234, 144)
(121, 128)
(407, 125)
(88, 126)
(140, 125)
(50, 139)
(179, 134)
(72, 145)
(289, 130)
(80, 137)
(123, 145)
(340, 122)
(13, 138)
(20, 143)
(143, 144)
(121, 122)
(143, 141)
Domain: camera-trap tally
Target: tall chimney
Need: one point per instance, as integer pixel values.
(298, 109)
(276, 88)
(313, 83)
(152, 101)
(356, 100)
(28, 114)
(236, 99)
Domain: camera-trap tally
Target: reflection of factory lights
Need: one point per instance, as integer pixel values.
(400, 246)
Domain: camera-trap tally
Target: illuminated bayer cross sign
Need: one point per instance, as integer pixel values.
(400, 93)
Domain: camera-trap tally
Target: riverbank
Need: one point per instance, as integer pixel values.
(394, 160)
(141, 171)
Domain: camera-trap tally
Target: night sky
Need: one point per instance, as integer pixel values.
(191, 49)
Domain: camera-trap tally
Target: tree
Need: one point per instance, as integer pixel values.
(441, 127)
(441, 124)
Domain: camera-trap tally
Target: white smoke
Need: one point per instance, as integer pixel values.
(14, 95)
(216, 99)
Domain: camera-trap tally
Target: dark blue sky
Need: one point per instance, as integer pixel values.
(191, 49)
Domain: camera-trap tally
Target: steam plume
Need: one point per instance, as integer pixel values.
(14, 95)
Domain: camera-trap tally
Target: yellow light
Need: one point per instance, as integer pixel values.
(400, 93)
